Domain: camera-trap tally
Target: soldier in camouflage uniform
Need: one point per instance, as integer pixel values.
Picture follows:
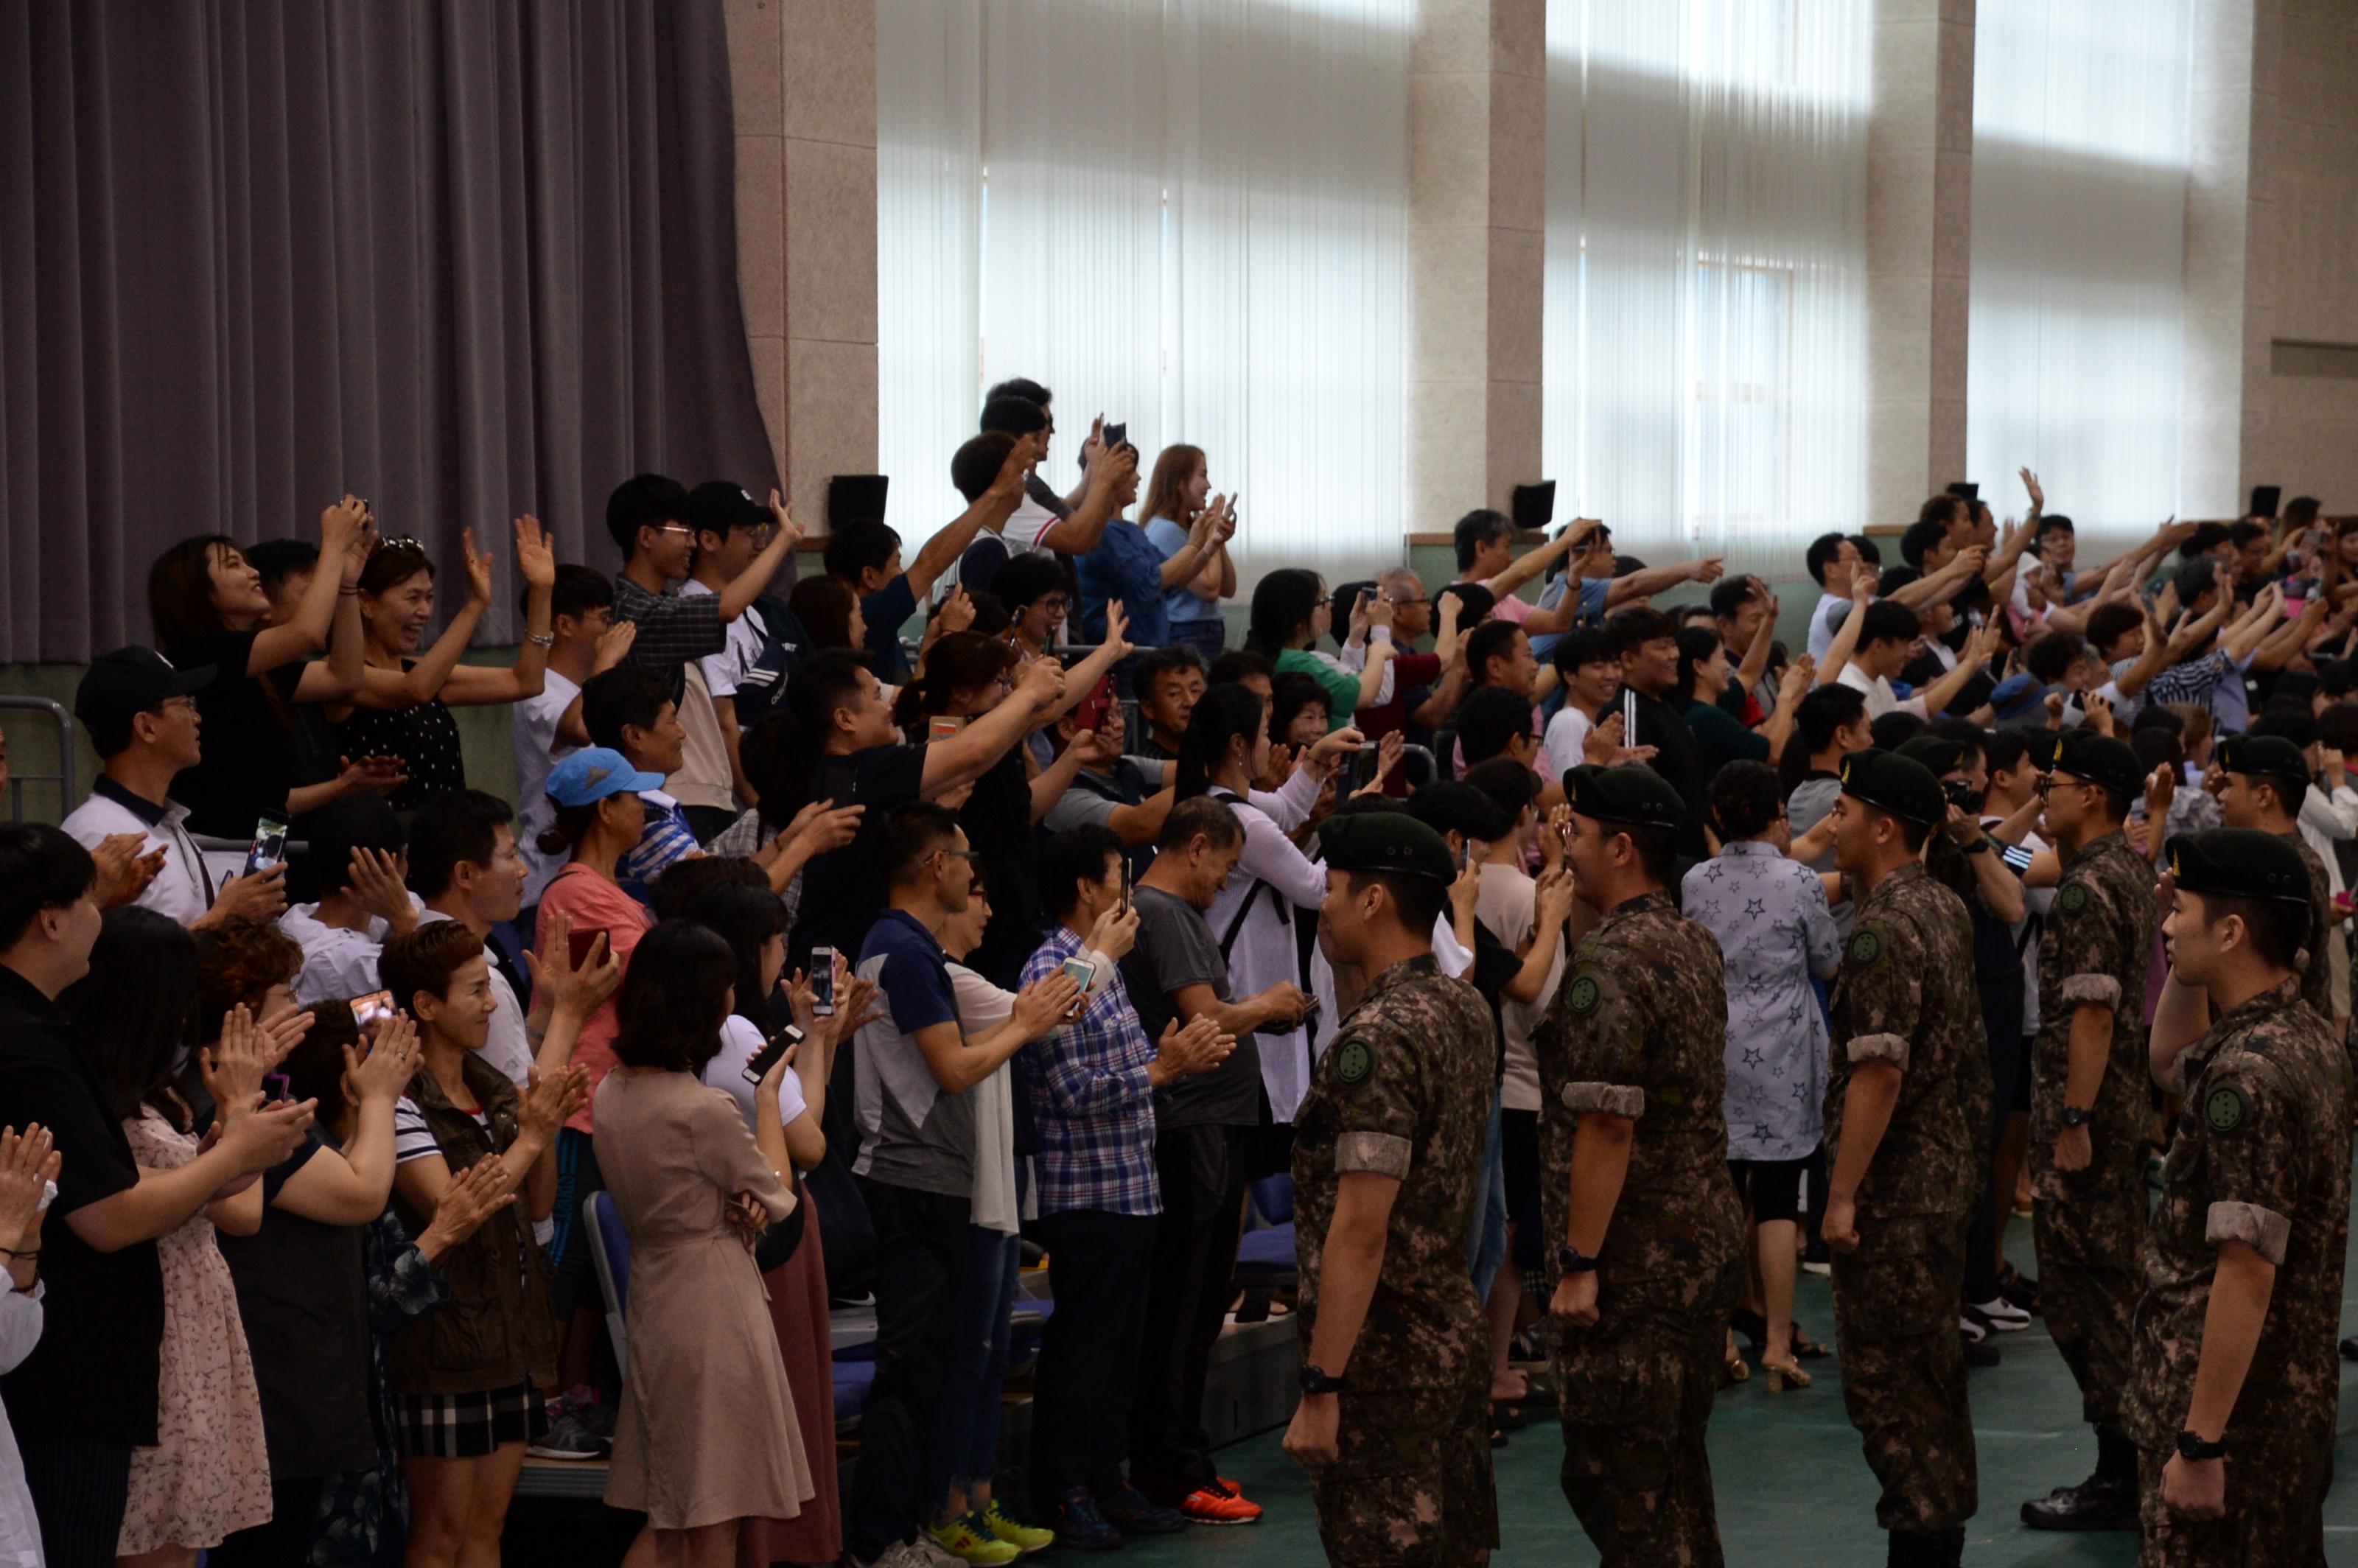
(2261, 782)
(1632, 1058)
(1909, 1051)
(2088, 1105)
(2246, 1247)
(1393, 1410)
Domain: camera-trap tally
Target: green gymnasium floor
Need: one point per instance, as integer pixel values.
(1791, 1485)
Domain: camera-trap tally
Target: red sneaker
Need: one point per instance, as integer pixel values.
(1218, 1502)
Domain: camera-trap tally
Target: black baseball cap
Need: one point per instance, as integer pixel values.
(2102, 759)
(1385, 841)
(721, 505)
(1630, 795)
(1900, 786)
(2237, 863)
(2267, 756)
(131, 681)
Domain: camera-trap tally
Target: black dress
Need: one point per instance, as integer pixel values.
(426, 739)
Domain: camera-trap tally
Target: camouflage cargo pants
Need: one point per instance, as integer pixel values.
(1411, 1485)
(1903, 1369)
(2089, 1226)
(2273, 1516)
(1636, 1402)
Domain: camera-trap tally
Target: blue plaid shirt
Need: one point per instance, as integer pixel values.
(1092, 1106)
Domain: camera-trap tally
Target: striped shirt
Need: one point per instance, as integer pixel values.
(665, 838)
(1092, 1104)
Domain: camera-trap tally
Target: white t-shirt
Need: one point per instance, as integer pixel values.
(1822, 623)
(1026, 523)
(993, 1204)
(740, 1043)
(538, 749)
(1880, 698)
(1567, 738)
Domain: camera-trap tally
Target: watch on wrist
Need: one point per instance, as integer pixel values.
(1314, 1381)
(1980, 846)
(2075, 1116)
(1573, 1261)
(2191, 1448)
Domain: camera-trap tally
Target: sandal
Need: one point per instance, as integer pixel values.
(1806, 1348)
(1784, 1375)
(1734, 1370)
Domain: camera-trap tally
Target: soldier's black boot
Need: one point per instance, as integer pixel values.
(2106, 1500)
(1953, 1547)
(1913, 1548)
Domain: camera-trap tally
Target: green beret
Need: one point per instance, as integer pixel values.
(1385, 841)
(2269, 756)
(1941, 756)
(2100, 760)
(1630, 795)
(1900, 786)
(2237, 863)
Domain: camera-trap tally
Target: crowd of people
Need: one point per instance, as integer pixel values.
(1590, 968)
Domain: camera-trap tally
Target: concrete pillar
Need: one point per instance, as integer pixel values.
(2226, 346)
(1477, 206)
(805, 105)
(1919, 179)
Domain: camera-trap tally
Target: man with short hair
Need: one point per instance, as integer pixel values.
(647, 516)
(86, 1393)
(1648, 645)
(141, 714)
(711, 784)
(1168, 681)
(1387, 1158)
(2089, 1110)
(587, 642)
(1646, 1233)
(2234, 1386)
(351, 877)
(1887, 632)
(631, 711)
(464, 866)
(1091, 1087)
(2260, 782)
(1070, 525)
(1203, 1128)
(917, 1155)
(1908, 1094)
(866, 556)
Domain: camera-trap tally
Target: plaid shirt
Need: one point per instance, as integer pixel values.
(673, 628)
(1092, 1106)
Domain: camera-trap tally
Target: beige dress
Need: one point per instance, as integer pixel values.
(707, 1430)
(208, 1474)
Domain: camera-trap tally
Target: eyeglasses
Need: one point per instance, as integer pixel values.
(971, 856)
(176, 705)
(676, 529)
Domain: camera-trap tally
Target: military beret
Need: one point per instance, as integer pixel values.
(2237, 863)
(2100, 760)
(2269, 756)
(1939, 755)
(1900, 786)
(1630, 795)
(2042, 744)
(1385, 841)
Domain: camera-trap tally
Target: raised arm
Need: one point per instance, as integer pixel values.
(1845, 642)
(1532, 563)
(982, 741)
(1084, 529)
(305, 632)
(739, 591)
(477, 685)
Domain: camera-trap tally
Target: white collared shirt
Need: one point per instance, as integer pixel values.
(183, 889)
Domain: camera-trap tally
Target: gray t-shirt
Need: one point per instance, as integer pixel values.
(1176, 949)
(912, 1134)
(1812, 802)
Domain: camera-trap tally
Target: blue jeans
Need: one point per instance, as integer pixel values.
(963, 1447)
(1485, 1241)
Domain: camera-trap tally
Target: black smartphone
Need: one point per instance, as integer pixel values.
(2265, 499)
(1125, 884)
(1114, 435)
(777, 1046)
(269, 845)
(278, 1086)
(822, 981)
(1966, 488)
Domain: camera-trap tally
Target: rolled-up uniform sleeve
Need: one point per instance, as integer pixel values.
(1379, 1108)
(2254, 1169)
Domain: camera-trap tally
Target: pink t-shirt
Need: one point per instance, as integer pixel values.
(1509, 607)
(593, 904)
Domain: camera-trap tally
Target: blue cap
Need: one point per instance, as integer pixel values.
(592, 773)
(2018, 697)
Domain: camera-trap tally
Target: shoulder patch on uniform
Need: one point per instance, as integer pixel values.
(1582, 996)
(1867, 945)
(2072, 899)
(2224, 1107)
(1353, 1061)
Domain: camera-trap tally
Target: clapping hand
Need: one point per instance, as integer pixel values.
(1198, 1047)
(1389, 752)
(380, 880)
(383, 1071)
(124, 872)
(1046, 1003)
(472, 1196)
(29, 1161)
(550, 1101)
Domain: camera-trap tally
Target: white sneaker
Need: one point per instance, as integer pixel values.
(2000, 1314)
(1974, 1332)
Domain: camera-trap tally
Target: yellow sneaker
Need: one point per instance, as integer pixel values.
(961, 1538)
(1026, 1539)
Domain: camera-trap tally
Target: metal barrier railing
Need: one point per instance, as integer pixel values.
(69, 796)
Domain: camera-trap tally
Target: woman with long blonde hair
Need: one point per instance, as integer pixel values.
(1176, 495)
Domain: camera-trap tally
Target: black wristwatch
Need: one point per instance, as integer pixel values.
(2191, 1448)
(1314, 1381)
(1978, 847)
(2075, 1116)
(1573, 1261)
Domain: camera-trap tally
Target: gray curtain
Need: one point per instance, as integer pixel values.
(468, 258)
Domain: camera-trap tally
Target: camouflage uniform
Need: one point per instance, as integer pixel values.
(2089, 1225)
(2317, 979)
(1905, 995)
(1640, 1029)
(2262, 1156)
(1404, 1091)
